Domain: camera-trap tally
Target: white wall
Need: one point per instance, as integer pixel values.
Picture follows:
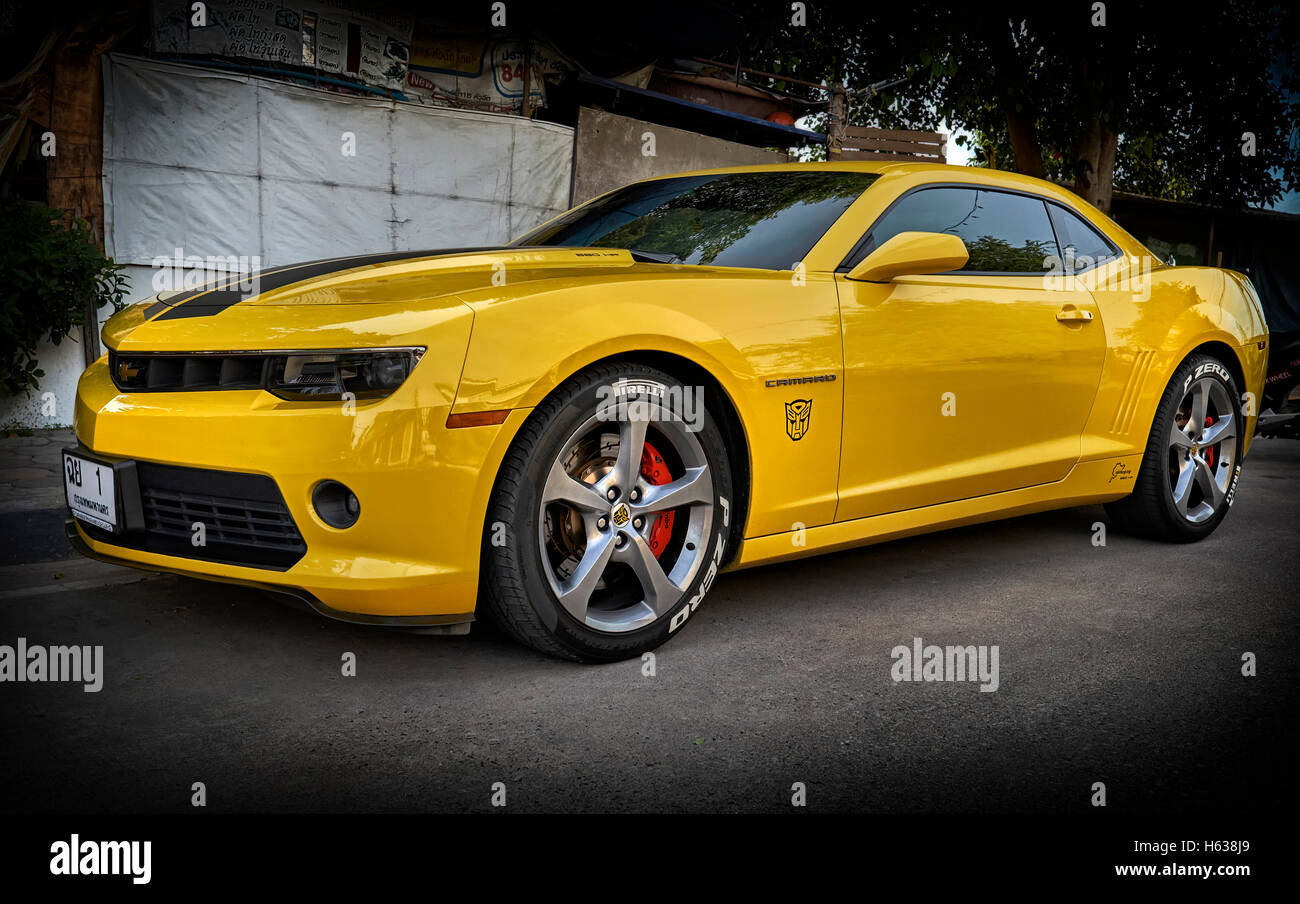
(612, 151)
(221, 164)
(62, 364)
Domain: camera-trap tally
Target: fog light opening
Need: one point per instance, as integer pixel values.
(335, 504)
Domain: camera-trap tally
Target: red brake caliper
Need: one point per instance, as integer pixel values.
(655, 471)
(1209, 453)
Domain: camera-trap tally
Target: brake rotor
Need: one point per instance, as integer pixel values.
(585, 462)
(589, 462)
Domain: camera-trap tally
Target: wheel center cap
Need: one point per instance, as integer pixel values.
(620, 515)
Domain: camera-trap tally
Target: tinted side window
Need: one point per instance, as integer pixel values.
(1079, 239)
(1003, 233)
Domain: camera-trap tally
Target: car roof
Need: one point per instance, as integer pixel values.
(938, 171)
(943, 172)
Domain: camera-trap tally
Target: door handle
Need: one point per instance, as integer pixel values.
(1071, 314)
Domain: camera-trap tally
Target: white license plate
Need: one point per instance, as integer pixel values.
(90, 490)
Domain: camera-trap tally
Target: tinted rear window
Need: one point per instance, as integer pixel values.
(765, 220)
(1080, 242)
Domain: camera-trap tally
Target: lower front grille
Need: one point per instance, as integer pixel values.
(224, 520)
(244, 517)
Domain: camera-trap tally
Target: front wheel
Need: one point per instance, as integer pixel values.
(615, 503)
(1189, 471)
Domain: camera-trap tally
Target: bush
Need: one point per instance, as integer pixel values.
(49, 276)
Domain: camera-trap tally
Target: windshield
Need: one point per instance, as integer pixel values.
(768, 220)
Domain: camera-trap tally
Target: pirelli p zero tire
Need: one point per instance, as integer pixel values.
(610, 516)
(1189, 471)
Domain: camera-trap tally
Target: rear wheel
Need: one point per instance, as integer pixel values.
(1193, 457)
(615, 499)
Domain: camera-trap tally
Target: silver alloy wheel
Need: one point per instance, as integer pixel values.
(618, 508)
(1201, 455)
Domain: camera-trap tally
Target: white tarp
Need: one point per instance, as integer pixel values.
(221, 164)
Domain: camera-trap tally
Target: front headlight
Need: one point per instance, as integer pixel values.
(306, 375)
(369, 374)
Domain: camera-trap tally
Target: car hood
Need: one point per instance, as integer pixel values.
(307, 303)
(389, 277)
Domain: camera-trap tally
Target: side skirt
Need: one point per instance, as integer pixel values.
(1088, 483)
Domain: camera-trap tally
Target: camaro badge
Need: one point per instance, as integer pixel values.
(797, 415)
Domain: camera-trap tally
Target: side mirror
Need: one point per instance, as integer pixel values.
(912, 253)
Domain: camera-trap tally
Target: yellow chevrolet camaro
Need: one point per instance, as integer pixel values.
(578, 431)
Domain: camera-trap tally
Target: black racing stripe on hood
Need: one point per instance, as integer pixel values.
(211, 300)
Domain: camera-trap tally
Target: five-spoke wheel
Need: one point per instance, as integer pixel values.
(600, 510)
(615, 493)
(1202, 449)
(1192, 460)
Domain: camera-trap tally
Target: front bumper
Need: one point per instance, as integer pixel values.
(411, 558)
(454, 624)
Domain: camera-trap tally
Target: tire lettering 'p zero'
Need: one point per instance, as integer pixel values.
(709, 575)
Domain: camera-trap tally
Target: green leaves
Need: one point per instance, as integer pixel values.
(1179, 91)
(53, 273)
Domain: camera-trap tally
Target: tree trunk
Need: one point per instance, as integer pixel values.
(1106, 167)
(74, 184)
(74, 175)
(1094, 163)
(835, 122)
(1024, 143)
(1087, 161)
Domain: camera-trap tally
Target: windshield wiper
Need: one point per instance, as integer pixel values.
(654, 257)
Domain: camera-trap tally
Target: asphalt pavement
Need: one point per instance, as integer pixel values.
(1118, 664)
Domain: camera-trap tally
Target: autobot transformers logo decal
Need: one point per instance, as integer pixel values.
(620, 515)
(798, 415)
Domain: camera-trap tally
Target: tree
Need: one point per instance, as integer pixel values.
(54, 274)
(1152, 97)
